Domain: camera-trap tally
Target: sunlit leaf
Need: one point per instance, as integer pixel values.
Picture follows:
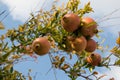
(116, 51)
(117, 62)
(1, 26)
(118, 41)
(8, 67)
(30, 78)
(5, 56)
(2, 37)
(20, 29)
(87, 8)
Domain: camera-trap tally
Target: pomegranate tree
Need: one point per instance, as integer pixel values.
(67, 32)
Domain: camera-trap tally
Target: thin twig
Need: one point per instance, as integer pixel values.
(34, 78)
(2, 12)
(86, 77)
(108, 57)
(52, 66)
(105, 16)
(7, 15)
(109, 25)
(48, 71)
(37, 11)
(106, 19)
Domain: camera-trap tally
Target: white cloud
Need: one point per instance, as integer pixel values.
(113, 73)
(102, 8)
(22, 8)
(106, 8)
(106, 11)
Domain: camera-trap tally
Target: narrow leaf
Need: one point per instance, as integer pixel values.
(1, 26)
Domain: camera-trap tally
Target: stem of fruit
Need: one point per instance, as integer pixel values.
(96, 31)
(65, 19)
(50, 56)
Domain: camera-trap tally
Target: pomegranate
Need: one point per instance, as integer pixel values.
(70, 22)
(91, 45)
(89, 27)
(79, 44)
(41, 46)
(94, 59)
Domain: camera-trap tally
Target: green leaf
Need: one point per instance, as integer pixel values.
(11, 69)
(90, 69)
(87, 8)
(2, 37)
(116, 51)
(8, 67)
(117, 62)
(5, 56)
(5, 46)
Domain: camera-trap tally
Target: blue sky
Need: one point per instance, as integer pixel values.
(21, 11)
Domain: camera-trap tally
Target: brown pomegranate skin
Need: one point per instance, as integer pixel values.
(91, 45)
(79, 44)
(89, 29)
(94, 59)
(70, 22)
(41, 46)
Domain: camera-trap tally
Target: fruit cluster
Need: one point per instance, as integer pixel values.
(83, 30)
(80, 38)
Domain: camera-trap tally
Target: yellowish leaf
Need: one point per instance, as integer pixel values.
(1, 26)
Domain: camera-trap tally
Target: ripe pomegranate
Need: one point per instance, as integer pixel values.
(79, 44)
(89, 27)
(70, 22)
(41, 46)
(94, 59)
(91, 45)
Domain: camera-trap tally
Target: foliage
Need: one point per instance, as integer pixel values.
(48, 24)
(1, 25)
